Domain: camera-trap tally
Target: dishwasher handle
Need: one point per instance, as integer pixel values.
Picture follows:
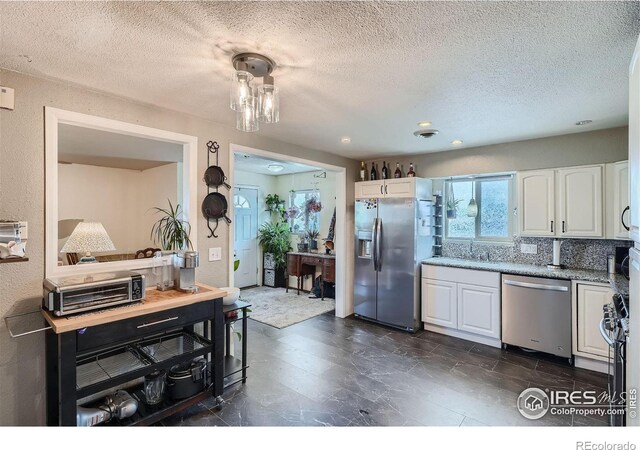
(543, 287)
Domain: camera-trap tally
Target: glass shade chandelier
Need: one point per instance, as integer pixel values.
(253, 104)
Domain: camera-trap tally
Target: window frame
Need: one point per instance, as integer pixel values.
(306, 214)
(477, 181)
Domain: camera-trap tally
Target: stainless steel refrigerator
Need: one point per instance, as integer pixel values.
(392, 238)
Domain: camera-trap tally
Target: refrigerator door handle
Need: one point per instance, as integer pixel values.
(378, 244)
(374, 231)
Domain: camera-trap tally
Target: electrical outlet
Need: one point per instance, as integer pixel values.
(529, 248)
(215, 253)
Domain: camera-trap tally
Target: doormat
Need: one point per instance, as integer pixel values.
(276, 307)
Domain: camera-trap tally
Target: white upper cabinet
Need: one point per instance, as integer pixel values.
(370, 189)
(617, 200)
(410, 187)
(580, 212)
(564, 202)
(536, 203)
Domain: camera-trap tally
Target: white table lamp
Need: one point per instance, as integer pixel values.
(88, 237)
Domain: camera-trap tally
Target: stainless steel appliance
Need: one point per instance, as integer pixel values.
(392, 237)
(119, 405)
(614, 328)
(536, 314)
(185, 271)
(75, 294)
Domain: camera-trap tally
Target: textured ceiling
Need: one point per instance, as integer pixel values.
(258, 164)
(81, 145)
(483, 72)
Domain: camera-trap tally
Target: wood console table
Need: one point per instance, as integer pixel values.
(301, 264)
(114, 341)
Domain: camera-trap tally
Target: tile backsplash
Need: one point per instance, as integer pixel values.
(574, 253)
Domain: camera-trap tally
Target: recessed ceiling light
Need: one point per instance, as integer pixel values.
(456, 141)
(424, 124)
(345, 140)
(584, 122)
(275, 167)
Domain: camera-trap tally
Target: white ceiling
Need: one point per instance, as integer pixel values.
(484, 72)
(81, 145)
(259, 164)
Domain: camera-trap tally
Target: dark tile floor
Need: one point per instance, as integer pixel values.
(337, 372)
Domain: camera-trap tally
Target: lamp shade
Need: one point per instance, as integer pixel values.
(88, 237)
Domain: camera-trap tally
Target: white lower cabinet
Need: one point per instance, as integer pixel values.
(441, 306)
(479, 310)
(589, 300)
(469, 310)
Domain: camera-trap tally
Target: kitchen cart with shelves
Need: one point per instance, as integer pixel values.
(235, 369)
(91, 355)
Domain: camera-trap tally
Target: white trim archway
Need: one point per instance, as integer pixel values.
(344, 294)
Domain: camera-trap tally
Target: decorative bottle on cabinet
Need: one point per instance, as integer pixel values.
(363, 171)
(398, 172)
(385, 174)
(374, 172)
(411, 173)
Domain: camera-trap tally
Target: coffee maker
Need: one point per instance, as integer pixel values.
(184, 271)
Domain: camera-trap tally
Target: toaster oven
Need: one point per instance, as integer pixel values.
(75, 294)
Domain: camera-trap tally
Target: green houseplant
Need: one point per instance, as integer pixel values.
(312, 237)
(274, 239)
(171, 231)
(275, 205)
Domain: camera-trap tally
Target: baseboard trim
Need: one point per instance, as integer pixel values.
(591, 364)
(492, 342)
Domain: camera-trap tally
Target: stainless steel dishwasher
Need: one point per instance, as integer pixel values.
(536, 314)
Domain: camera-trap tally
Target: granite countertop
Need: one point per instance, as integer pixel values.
(595, 276)
(619, 284)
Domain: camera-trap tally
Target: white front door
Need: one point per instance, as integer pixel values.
(245, 202)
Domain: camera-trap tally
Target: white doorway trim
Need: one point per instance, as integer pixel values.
(344, 295)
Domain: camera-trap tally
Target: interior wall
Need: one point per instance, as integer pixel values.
(120, 199)
(594, 147)
(266, 184)
(327, 190)
(22, 189)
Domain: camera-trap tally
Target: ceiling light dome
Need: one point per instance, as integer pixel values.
(275, 167)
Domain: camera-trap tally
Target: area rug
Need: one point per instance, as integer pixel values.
(275, 307)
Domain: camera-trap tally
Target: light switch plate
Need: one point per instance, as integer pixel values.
(529, 248)
(215, 253)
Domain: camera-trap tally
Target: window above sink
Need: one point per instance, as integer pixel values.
(494, 198)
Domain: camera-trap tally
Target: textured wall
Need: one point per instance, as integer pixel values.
(577, 149)
(22, 188)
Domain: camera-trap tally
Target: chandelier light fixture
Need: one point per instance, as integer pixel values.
(253, 104)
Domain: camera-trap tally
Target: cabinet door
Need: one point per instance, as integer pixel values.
(591, 299)
(617, 182)
(536, 203)
(439, 304)
(580, 202)
(370, 189)
(400, 187)
(479, 310)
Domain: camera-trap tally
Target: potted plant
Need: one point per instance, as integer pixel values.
(312, 236)
(275, 205)
(452, 207)
(171, 231)
(274, 239)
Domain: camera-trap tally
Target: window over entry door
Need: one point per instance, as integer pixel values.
(245, 203)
